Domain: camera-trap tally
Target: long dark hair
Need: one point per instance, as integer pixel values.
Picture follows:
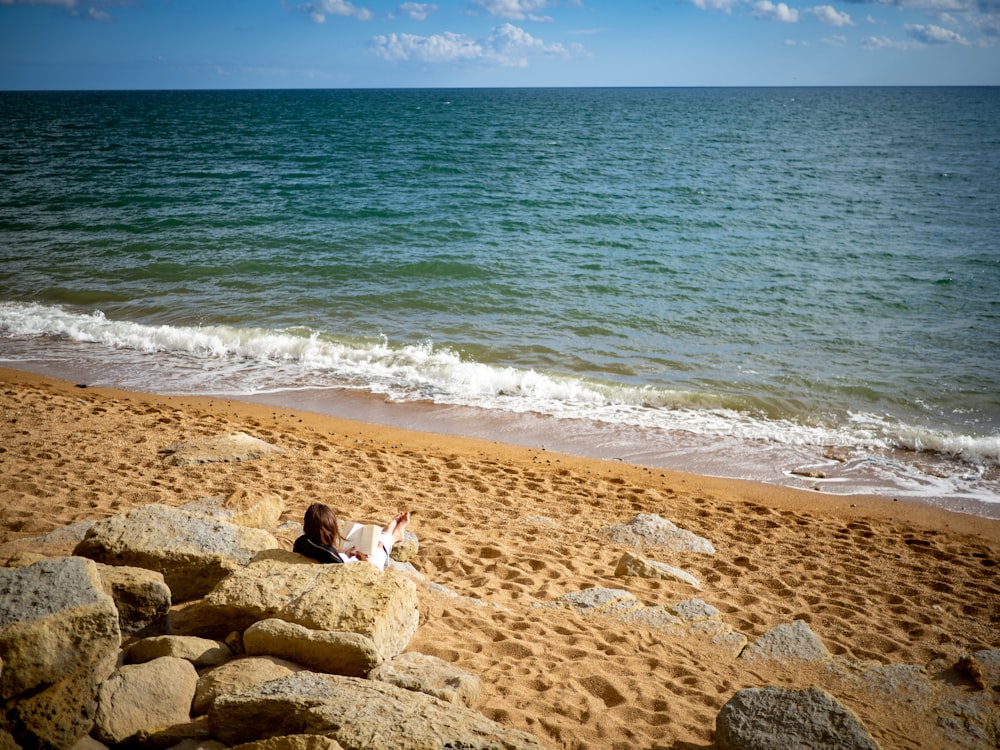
(320, 525)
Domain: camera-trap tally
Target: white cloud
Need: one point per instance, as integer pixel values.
(884, 42)
(98, 15)
(831, 16)
(68, 4)
(931, 34)
(767, 10)
(318, 11)
(837, 40)
(517, 10)
(726, 5)
(506, 45)
(417, 11)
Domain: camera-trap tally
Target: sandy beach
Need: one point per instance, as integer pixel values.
(508, 528)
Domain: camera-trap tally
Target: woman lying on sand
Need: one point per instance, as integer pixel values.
(322, 539)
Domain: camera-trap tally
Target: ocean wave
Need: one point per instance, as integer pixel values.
(243, 360)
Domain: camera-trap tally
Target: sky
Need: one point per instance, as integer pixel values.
(221, 44)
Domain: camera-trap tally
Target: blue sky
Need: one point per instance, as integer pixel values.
(155, 44)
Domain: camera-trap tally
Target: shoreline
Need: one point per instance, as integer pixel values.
(505, 531)
(775, 495)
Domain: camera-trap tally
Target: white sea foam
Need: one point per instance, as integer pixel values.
(256, 360)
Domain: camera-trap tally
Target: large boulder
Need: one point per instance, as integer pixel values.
(141, 596)
(788, 643)
(237, 675)
(355, 597)
(142, 698)
(59, 638)
(359, 714)
(334, 652)
(293, 742)
(243, 507)
(192, 552)
(237, 446)
(775, 718)
(633, 565)
(651, 530)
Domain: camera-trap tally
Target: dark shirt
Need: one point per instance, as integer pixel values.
(306, 546)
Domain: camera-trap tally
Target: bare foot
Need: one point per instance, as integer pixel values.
(397, 525)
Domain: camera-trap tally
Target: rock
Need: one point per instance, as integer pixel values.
(195, 730)
(355, 597)
(407, 549)
(235, 447)
(293, 742)
(789, 644)
(632, 565)
(202, 652)
(596, 599)
(59, 638)
(199, 745)
(192, 552)
(430, 675)
(774, 718)
(237, 675)
(358, 714)
(650, 530)
(89, 743)
(141, 596)
(242, 507)
(144, 698)
(334, 652)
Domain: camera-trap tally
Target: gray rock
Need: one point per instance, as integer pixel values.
(774, 718)
(141, 596)
(237, 675)
(334, 652)
(359, 714)
(143, 698)
(202, 652)
(632, 565)
(355, 598)
(59, 638)
(192, 552)
(235, 447)
(431, 675)
(790, 644)
(651, 530)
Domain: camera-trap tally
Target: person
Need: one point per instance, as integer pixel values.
(322, 541)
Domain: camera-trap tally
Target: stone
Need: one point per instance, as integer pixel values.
(242, 507)
(59, 639)
(142, 698)
(774, 718)
(430, 675)
(358, 714)
(141, 596)
(406, 550)
(334, 652)
(237, 675)
(192, 552)
(651, 530)
(235, 447)
(632, 565)
(789, 644)
(353, 597)
(202, 652)
(293, 742)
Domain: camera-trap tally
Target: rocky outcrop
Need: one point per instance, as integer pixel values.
(192, 552)
(775, 718)
(293, 742)
(633, 565)
(651, 530)
(242, 507)
(59, 638)
(430, 675)
(143, 698)
(380, 605)
(333, 652)
(789, 643)
(237, 446)
(381, 716)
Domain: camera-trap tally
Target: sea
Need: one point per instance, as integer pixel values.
(798, 286)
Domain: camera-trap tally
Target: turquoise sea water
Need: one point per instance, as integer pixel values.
(744, 282)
